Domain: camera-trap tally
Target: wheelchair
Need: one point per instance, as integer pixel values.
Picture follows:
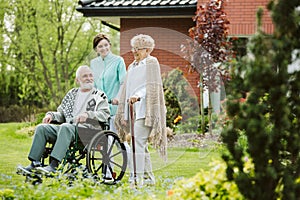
(96, 153)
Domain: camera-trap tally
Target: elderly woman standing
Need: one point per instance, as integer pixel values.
(109, 72)
(143, 88)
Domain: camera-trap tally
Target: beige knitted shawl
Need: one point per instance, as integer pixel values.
(155, 108)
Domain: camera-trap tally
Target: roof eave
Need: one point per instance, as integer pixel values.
(137, 11)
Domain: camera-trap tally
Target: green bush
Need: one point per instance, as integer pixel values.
(206, 185)
(39, 118)
(180, 103)
(17, 113)
(13, 113)
(61, 188)
(269, 118)
(191, 125)
(7, 194)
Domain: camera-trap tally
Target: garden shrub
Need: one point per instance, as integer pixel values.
(179, 102)
(61, 188)
(7, 194)
(269, 118)
(206, 185)
(191, 125)
(17, 113)
(13, 113)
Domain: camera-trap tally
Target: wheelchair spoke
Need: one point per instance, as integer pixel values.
(111, 146)
(107, 156)
(101, 166)
(96, 158)
(117, 164)
(109, 168)
(114, 155)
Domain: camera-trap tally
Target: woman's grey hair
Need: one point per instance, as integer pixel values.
(142, 41)
(79, 69)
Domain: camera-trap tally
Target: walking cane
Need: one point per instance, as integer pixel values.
(132, 140)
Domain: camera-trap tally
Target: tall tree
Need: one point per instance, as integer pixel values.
(46, 41)
(209, 49)
(8, 80)
(268, 165)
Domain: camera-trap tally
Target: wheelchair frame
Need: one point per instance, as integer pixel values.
(106, 156)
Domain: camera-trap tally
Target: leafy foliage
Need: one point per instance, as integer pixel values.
(180, 104)
(210, 43)
(211, 184)
(269, 120)
(44, 43)
(80, 189)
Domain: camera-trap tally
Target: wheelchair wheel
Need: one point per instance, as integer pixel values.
(106, 157)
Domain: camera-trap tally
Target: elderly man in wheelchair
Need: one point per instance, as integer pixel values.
(77, 107)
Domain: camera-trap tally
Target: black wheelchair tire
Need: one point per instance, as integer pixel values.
(102, 156)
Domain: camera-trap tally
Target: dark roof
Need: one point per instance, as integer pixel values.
(127, 8)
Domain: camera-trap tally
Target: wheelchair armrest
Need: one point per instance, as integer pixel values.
(96, 123)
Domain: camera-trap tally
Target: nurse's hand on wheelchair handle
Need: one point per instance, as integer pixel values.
(114, 102)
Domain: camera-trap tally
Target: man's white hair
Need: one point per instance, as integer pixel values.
(79, 70)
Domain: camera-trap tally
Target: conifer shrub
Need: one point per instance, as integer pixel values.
(265, 128)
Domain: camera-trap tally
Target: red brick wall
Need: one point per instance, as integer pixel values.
(169, 34)
(242, 16)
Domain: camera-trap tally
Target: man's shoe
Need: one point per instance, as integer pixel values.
(29, 168)
(108, 180)
(46, 170)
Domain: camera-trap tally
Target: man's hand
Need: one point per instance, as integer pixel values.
(47, 119)
(82, 118)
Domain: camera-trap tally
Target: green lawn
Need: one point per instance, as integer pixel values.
(13, 151)
(182, 163)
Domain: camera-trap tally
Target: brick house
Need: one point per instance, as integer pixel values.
(168, 22)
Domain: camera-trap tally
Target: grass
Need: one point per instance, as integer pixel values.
(182, 163)
(13, 151)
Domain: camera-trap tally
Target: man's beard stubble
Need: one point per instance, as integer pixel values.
(86, 86)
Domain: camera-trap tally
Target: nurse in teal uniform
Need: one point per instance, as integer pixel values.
(109, 72)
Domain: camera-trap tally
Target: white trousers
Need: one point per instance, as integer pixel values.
(142, 155)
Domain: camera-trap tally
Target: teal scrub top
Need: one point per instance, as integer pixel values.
(109, 74)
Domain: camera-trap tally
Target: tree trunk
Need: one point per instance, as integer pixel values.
(201, 104)
(209, 112)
